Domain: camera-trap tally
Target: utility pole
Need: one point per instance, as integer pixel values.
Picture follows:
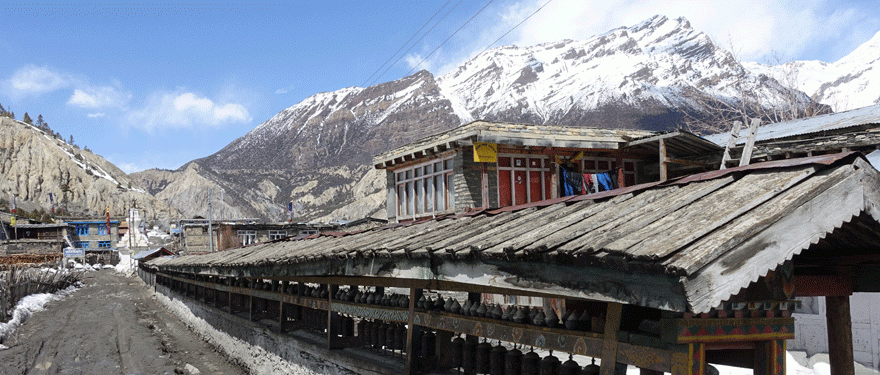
(210, 220)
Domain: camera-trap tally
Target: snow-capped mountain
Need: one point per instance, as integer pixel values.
(645, 76)
(849, 83)
(641, 73)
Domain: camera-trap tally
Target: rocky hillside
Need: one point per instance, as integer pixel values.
(35, 164)
(317, 152)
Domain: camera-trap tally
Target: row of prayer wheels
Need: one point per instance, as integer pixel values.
(383, 336)
(572, 320)
(483, 358)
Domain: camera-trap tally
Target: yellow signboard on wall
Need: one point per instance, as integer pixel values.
(485, 152)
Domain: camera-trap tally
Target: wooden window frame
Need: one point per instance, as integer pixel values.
(416, 196)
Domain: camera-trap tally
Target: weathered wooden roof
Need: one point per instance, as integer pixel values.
(685, 245)
(678, 142)
(511, 134)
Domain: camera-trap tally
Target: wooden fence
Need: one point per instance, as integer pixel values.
(17, 283)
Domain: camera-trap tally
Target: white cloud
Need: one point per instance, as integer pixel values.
(94, 97)
(284, 90)
(35, 80)
(96, 115)
(185, 110)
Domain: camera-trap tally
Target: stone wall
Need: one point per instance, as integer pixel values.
(30, 246)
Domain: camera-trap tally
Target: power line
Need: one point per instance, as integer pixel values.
(417, 42)
(517, 25)
(450, 37)
(407, 42)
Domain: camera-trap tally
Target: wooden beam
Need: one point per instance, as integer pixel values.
(685, 162)
(609, 349)
(840, 345)
(823, 285)
(664, 169)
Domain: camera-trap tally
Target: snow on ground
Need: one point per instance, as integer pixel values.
(125, 266)
(254, 358)
(27, 306)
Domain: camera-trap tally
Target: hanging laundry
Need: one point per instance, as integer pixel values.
(571, 182)
(604, 181)
(588, 185)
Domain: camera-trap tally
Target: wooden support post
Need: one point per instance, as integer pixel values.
(411, 365)
(332, 319)
(609, 348)
(664, 172)
(621, 180)
(840, 345)
(229, 296)
(281, 318)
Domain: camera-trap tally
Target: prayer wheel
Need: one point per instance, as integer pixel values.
(374, 334)
(466, 309)
(497, 358)
(438, 303)
(571, 321)
(550, 365)
(591, 369)
(381, 335)
(513, 362)
(569, 367)
(429, 350)
(400, 337)
(447, 306)
(362, 331)
(484, 360)
(455, 307)
(551, 319)
(469, 357)
(531, 364)
(389, 338)
(457, 351)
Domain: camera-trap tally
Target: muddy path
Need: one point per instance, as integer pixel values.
(112, 325)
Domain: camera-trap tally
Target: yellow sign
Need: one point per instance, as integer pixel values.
(12, 221)
(485, 152)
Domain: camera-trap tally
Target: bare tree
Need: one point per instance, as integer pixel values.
(782, 102)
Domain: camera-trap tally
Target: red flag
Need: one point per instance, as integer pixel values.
(108, 220)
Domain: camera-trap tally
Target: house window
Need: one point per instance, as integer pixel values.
(104, 244)
(277, 234)
(308, 231)
(600, 165)
(101, 230)
(424, 188)
(81, 244)
(247, 237)
(82, 229)
(523, 179)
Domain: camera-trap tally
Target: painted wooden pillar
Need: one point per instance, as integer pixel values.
(621, 180)
(411, 363)
(840, 346)
(609, 347)
(770, 357)
(229, 295)
(664, 172)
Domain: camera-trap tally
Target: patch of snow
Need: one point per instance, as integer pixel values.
(26, 307)
(125, 266)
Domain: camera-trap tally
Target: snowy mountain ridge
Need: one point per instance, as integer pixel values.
(849, 83)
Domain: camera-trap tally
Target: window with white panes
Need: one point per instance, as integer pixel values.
(424, 189)
(247, 237)
(277, 234)
(523, 179)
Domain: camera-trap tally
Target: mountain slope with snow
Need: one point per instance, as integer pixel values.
(849, 83)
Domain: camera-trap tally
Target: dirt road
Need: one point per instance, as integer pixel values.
(110, 326)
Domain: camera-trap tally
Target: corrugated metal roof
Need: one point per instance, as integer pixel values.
(832, 121)
(698, 232)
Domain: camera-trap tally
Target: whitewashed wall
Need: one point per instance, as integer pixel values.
(811, 332)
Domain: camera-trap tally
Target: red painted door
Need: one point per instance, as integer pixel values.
(504, 189)
(519, 186)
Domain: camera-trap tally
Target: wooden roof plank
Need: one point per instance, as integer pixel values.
(528, 216)
(606, 230)
(559, 232)
(481, 224)
(667, 235)
(786, 236)
(535, 227)
(698, 254)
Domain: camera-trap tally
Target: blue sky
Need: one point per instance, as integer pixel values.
(157, 85)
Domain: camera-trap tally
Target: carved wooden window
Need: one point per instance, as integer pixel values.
(424, 188)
